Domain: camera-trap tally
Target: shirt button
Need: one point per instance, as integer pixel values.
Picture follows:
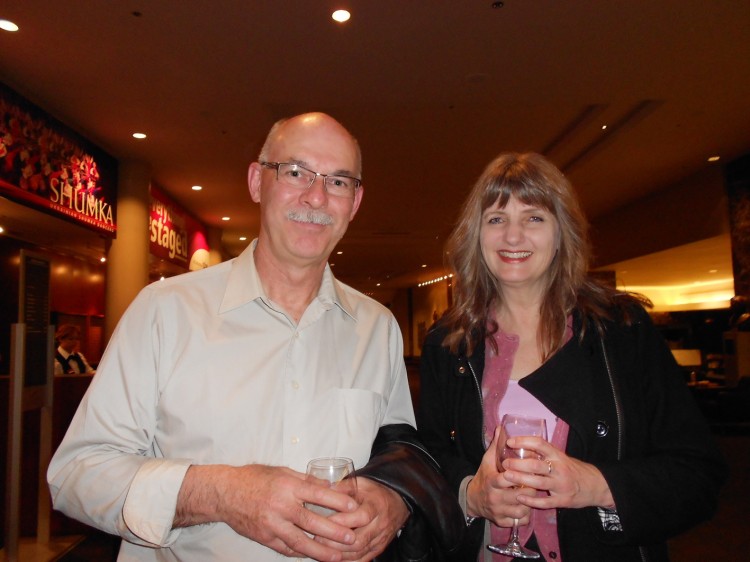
(295, 440)
(295, 385)
(296, 335)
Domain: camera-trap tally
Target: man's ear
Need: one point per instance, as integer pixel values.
(253, 181)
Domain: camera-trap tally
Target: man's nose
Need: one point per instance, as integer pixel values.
(315, 195)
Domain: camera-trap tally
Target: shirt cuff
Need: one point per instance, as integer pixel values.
(151, 502)
(610, 519)
(462, 499)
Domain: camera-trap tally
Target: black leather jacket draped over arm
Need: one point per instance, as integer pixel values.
(399, 461)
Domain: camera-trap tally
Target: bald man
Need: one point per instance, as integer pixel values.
(220, 385)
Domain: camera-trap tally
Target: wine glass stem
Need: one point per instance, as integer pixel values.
(514, 533)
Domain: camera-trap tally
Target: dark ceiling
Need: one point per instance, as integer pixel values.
(432, 89)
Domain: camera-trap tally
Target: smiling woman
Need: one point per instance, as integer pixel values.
(530, 332)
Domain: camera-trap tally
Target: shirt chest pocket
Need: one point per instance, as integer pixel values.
(360, 415)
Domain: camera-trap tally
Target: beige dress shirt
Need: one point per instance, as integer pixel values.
(203, 368)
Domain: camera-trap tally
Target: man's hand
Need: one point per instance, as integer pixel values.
(266, 504)
(377, 520)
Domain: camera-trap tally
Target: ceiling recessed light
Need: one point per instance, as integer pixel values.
(377, 284)
(102, 259)
(225, 218)
(341, 16)
(139, 136)
(2, 230)
(713, 158)
(7, 25)
(243, 238)
(424, 265)
(604, 127)
(196, 188)
(339, 252)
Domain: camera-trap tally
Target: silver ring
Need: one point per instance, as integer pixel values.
(549, 467)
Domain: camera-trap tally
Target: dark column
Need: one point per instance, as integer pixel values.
(738, 192)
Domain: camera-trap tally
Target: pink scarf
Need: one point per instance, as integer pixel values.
(497, 368)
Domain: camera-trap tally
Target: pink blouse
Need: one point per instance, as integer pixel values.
(501, 395)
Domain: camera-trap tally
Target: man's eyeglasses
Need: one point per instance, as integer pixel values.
(300, 177)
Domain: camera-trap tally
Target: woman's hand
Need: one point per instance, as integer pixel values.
(570, 482)
(491, 496)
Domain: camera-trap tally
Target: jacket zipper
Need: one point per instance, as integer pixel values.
(620, 425)
(481, 400)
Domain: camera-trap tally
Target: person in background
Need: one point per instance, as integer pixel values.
(630, 461)
(218, 386)
(68, 358)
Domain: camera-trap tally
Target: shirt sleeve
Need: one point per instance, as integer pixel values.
(105, 472)
(400, 409)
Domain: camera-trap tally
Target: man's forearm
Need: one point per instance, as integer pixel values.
(199, 500)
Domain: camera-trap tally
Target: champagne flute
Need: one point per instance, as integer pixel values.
(515, 425)
(338, 472)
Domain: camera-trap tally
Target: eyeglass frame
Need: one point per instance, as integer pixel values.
(275, 166)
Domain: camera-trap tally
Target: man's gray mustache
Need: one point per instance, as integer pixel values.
(314, 217)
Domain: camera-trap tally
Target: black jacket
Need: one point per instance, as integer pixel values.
(630, 414)
(436, 524)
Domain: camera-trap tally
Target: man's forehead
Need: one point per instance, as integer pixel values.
(315, 149)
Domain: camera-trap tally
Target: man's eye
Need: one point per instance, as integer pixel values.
(339, 182)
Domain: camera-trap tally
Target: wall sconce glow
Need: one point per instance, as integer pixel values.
(139, 136)
(604, 127)
(705, 295)
(102, 259)
(377, 284)
(196, 188)
(2, 230)
(339, 253)
(243, 238)
(341, 16)
(714, 158)
(225, 218)
(7, 25)
(437, 280)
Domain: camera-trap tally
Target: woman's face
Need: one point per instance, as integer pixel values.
(518, 244)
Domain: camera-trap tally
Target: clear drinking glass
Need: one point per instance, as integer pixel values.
(337, 471)
(515, 425)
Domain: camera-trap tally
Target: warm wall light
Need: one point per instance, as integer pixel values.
(196, 188)
(7, 25)
(102, 259)
(2, 230)
(243, 238)
(341, 16)
(225, 218)
(714, 158)
(704, 295)
(139, 136)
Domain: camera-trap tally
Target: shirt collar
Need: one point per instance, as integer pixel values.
(244, 286)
